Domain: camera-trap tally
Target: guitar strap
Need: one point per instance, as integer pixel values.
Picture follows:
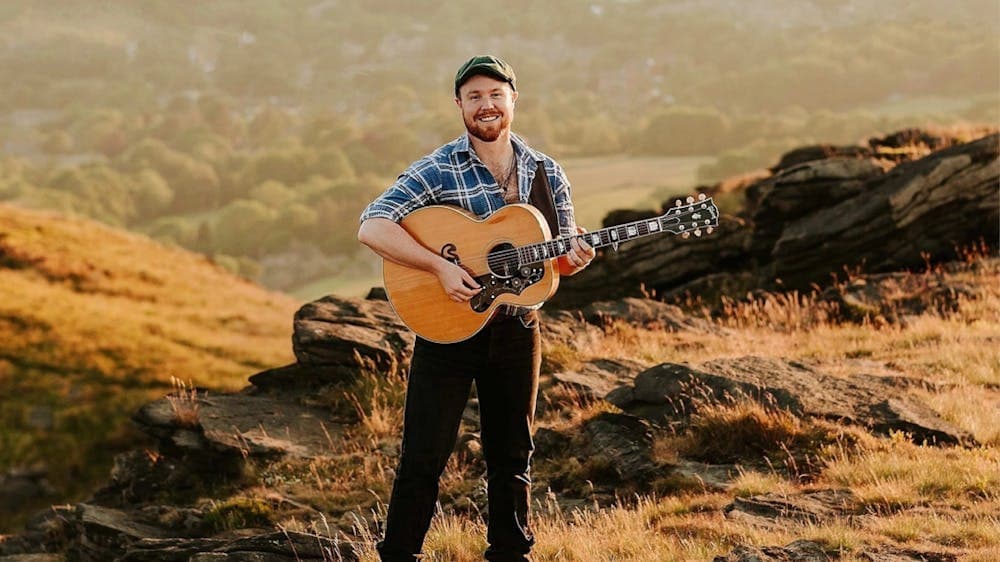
(541, 198)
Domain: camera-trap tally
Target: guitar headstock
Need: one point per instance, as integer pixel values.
(698, 215)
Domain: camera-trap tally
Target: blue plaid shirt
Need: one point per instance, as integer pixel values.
(454, 175)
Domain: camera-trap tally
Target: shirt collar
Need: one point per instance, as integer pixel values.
(521, 148)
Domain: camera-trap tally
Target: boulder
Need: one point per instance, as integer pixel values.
(284, 546)
(810, 153)
(803, 190)
(20, 487)
(896, 297)
(646, 312)
(671, 391)
(595, 379)
(885, 553)
(103, 533)
(622, 216)
(44, 534)
(809, 507)
(797, 551)
(243, 424)
(334, 331)
(626, 441)
(921, 210)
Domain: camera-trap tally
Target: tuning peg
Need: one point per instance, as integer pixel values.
(701, 197)
(697, 232)
(677, 203)
(686, 235)
(710, 229)
(690, 199)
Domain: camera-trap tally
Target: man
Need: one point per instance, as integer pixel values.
(480, 171)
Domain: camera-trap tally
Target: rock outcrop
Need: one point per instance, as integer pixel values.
(810, 507)
(797, 551)
(882, 207)
(671, 391)
(331, 332)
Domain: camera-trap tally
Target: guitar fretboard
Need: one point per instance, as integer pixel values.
(689, 218)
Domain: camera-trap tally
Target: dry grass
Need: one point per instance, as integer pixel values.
(900, 475)
(915, 497)
(693, 527)
(746, 429)
(357, 470)
(951, 530)
(754, 483)
(377, 399)
(567, 408)
(973, 408)
(184, 403)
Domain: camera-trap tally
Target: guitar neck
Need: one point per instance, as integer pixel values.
(679, 220)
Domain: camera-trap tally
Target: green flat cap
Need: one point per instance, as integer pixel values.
(484, 64)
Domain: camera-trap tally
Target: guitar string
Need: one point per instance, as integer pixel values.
(504, 255)
(515, 253)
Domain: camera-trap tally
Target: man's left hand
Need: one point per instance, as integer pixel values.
(580, 254)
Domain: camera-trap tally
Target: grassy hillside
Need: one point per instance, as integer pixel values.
(940, 503)
(95, 321)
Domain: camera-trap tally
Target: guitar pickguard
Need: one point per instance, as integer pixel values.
(494, 285)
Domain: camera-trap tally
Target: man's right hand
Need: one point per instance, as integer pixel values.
(389, 240)
(456, 282)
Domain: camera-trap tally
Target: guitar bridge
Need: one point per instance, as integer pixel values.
(495, 285)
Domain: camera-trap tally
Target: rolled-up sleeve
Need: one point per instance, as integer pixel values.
(414, 188)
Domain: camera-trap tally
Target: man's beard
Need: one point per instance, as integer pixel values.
(487, 132)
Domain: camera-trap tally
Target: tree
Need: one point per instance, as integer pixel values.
(685, 131)
(174, 230)
(269, 125)
(288, 166)
(272, 193)
(98, 191)
(151, 194)
(333, 163)
(58, 142)
(216, 113)
(241, 226)
(195, 184)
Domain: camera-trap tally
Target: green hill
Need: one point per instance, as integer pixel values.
(94, 322)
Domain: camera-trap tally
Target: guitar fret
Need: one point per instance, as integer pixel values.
(675, 220)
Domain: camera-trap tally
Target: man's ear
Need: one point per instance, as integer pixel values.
(513, 97)
(458, 102)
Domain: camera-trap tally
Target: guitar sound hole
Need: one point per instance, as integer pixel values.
(502, 260)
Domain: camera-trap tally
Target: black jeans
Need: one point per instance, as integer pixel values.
(503, 359)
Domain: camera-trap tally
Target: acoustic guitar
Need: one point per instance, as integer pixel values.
(511, 254)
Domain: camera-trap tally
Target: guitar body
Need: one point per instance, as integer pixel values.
(487, 250)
